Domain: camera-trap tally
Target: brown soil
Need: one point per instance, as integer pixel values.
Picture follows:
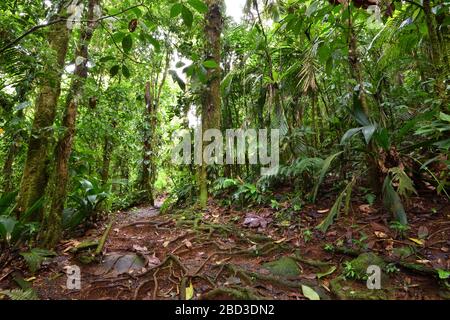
(213, 249)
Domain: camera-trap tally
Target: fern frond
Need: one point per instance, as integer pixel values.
(19, 294)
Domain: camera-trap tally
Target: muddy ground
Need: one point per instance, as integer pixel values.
(225, 253)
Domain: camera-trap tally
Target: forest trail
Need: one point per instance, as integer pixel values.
(215, 255)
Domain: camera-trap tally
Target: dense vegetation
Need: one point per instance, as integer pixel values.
(92, 92)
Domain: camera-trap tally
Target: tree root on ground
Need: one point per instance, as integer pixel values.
(414, 267)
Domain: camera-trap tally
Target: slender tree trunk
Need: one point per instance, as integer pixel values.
(107, 150)
(8, 166)
(153, 92)
(63, 149)
(147, 158)
(35, 177)
(211, 103)
(356, 72)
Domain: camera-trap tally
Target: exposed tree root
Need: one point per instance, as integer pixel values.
(418, 268)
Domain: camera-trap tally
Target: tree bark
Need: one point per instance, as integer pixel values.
(35, 177)
(211, 102)
(153, 92)
(52, 232)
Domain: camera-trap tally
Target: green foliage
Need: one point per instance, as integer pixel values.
(392, 201)
(13, 230)
(323, 172)
(35, 257)
(405, 185)
(20, 294)
(336, 208)
(85, 203)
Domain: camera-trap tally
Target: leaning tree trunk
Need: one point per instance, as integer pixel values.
(35, 178)
(52, 231)
(211, 96)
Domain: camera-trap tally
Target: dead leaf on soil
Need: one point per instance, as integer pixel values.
(254, 221)
(366, 209)
(381, 235)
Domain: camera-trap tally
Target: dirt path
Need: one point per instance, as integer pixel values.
(213, 255)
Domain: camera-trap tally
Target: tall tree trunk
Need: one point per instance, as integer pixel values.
(148, 150)
(107, 150)
(35, 177)
(356, 71)
(153, 91)
(8, 166)
(211, 97)
(53, 229)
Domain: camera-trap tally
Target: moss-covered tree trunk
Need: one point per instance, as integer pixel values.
(52, 231)
(211, 105)
(35, 177)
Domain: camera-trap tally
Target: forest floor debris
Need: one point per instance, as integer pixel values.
(194, 254)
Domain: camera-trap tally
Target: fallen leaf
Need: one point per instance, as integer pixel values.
(310, 293)
(153, 261)
(423, 261)
(417, 241)
(380, 234)
(254, 221)
(190, 292)
(326, 273)
(188, 244)
(423, 232)
(365, 208)
(280, 241)
(139, 248)
(166, 244)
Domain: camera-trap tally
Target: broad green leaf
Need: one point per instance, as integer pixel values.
(350, 133)
(127, 43)
(125, 71)
(368, 132)
(7, 225)
(210, 64)
(175, 10)
(187, 15)
(198, 5)
(114, 71)
(444, 117)
(392, 201)
(443, 274)
(312, 8)
(309, 293)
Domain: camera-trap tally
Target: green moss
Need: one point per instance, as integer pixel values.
(285, 267)
(352, 290)
(357, 268)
